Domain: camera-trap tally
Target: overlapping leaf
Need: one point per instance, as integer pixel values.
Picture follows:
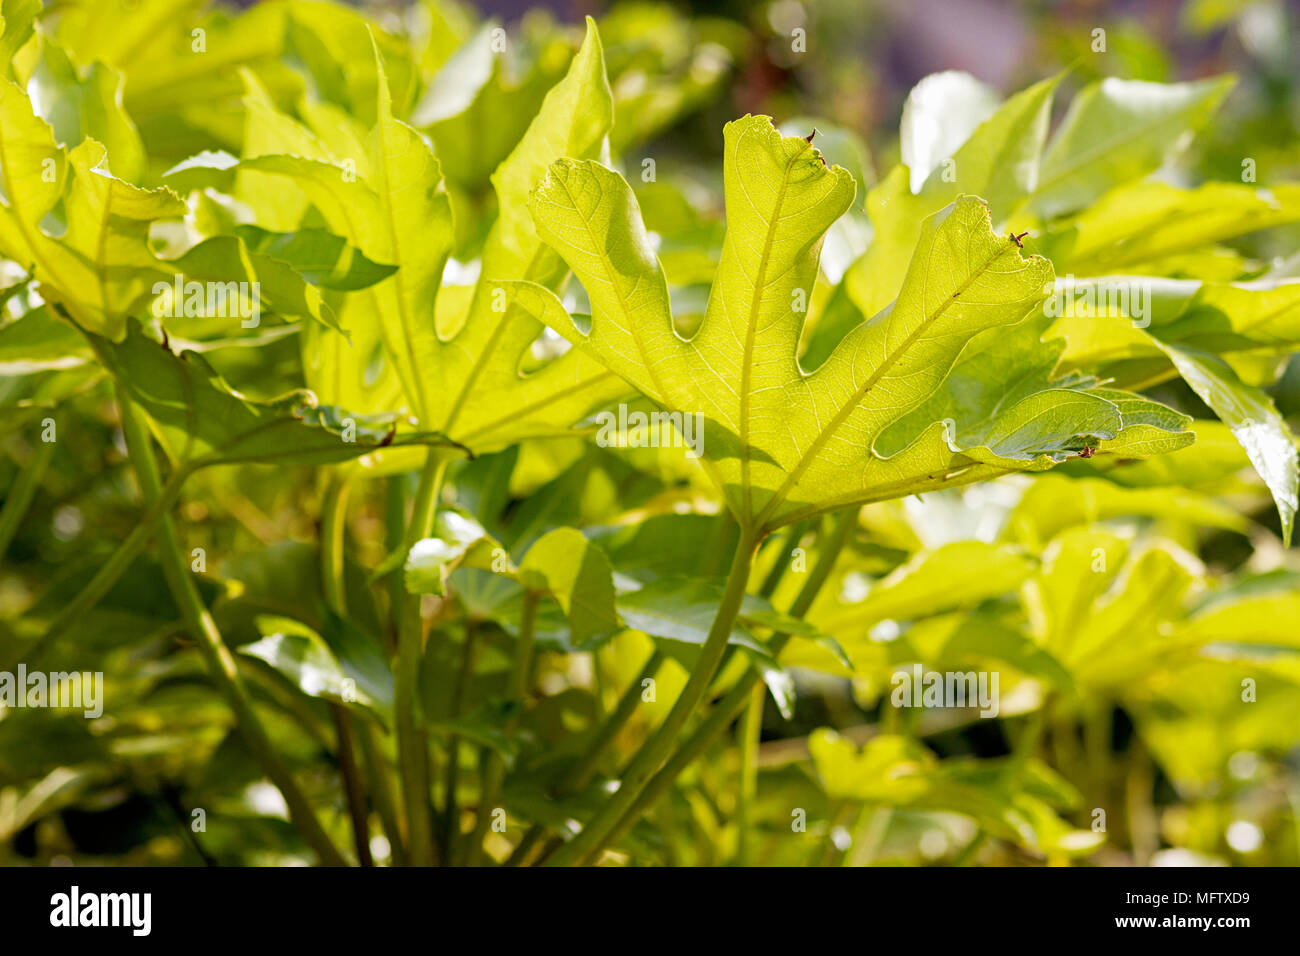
(468, 380)
(784, 444)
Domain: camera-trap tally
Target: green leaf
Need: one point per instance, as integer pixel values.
(203, 421)
(301, 655)
(475, 112)
(319, 256)
(489, 401)
(37, 341)
(1055, 502)
(957, 575)
(682, 610)
(1254, 421)
(17, 20)
(998, 162)
(102, 268)
(1126, 634)
(1078, 566)
(432, 559)
(1008, 808)
(247, 281)
(953, 642)
(1139, 224)
(89, 108)
(1118, 130)
(784, 445)
(472, 349)
(888, 769)
(1003, 403)
(564, 564)
(362, 657)
(1252, 619)
(399, 215)
(939, 115)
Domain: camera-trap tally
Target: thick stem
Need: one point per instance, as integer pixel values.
(451, 780)
(750, 726)
(352, 785)
(20, 495)
(579, 775)
(782, 562)
(650, 758)
(494, 772)
(220, 661)
(412, 739)
(381, 791)
(334, 510)
(394, 534)
(726, 710)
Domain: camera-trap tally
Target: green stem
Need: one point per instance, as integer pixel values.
(334, 511)
(494, 772)
(782, 562)
(21, 493)
(870, 835)
(1143, 821)
(220, 661)
(381, 791)
(1026, 745)
(750, 728)
(451, 783)
(726, 710)
(352, 785)
(650, 758)
(1096, 742)
(394, 534)
(412, 739)
(580, 774)
(110, 570)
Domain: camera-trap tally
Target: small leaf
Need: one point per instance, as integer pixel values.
(299, 653)
(1118, 130)
(203, 421)
(321, 257)
(432, 559)
(577, 574)
(1254, 421)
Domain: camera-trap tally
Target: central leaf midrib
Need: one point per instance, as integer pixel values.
(101, 268)
(489, 348)
(848, 407)
(37, 252)
(747, 359)
(527, 410)
(387, 200)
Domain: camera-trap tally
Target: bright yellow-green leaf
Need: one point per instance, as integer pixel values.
(1118, 130)
(783, 444)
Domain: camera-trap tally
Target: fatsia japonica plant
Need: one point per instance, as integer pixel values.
(398, 261)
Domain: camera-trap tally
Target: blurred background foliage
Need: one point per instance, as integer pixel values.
(1145, 663)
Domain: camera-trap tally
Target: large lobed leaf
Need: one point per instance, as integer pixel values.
(457, 351)
(782, 443)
